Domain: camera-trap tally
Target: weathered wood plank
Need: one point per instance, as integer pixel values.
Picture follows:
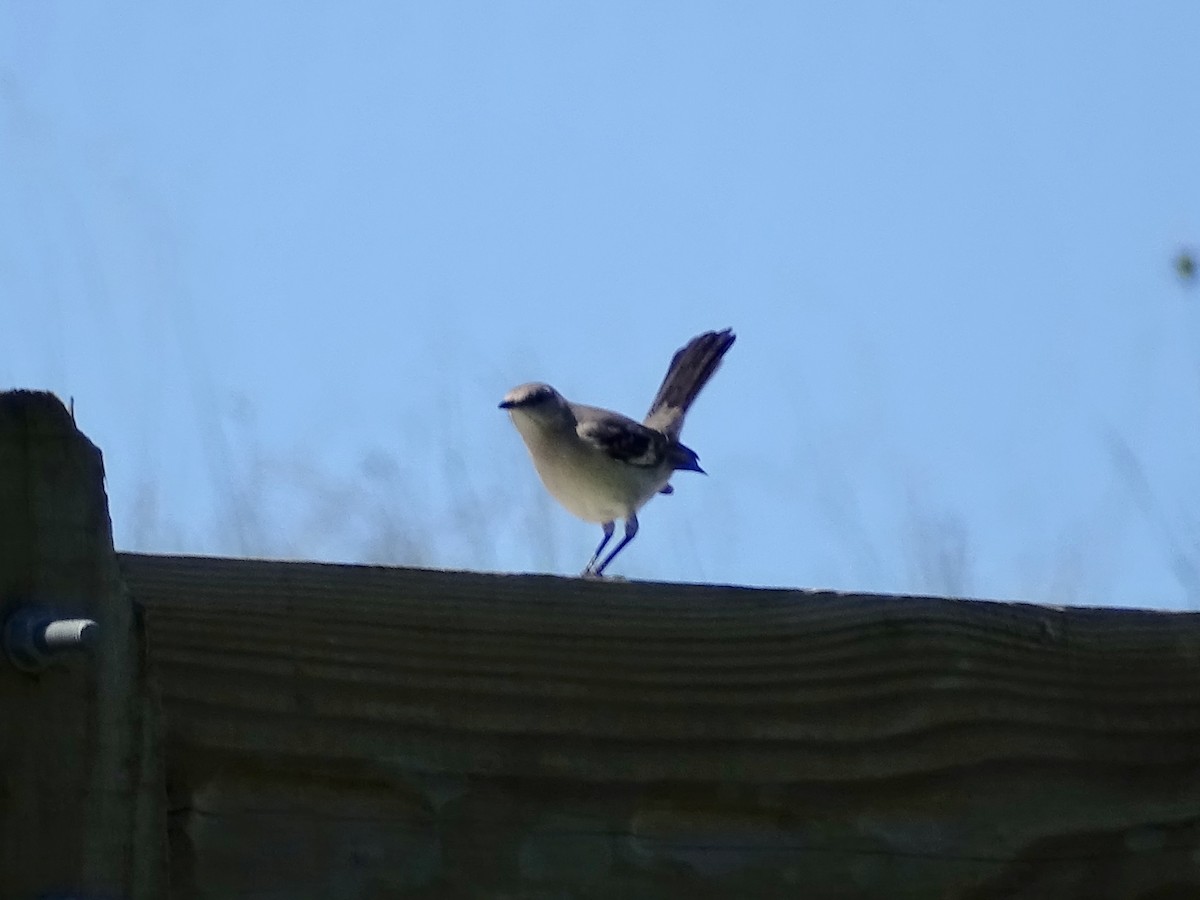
(82, 799)
(357, 732)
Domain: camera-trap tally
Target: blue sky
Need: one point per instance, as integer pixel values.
(287, 259)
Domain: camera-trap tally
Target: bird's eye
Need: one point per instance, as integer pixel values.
(536, 396)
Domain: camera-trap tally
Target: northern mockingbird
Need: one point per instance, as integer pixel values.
(603, 466)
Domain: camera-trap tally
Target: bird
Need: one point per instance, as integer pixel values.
(603, 466)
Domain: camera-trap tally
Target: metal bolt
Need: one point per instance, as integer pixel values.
(34, 636)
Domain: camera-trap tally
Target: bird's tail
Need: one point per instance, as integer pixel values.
(690, 369)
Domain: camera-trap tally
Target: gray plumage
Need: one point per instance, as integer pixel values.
(603, 466)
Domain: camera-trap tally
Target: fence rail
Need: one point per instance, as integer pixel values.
(520, 732)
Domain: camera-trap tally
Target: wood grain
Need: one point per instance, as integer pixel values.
(81, 788)
(367, 732)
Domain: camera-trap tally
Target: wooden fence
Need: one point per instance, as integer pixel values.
(295, 730)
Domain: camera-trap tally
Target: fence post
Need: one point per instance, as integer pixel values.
(82, 799)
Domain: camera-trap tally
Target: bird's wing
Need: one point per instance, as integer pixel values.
(623, 439)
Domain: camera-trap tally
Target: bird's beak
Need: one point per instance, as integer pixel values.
(506, 404)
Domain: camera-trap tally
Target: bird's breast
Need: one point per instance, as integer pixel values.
(588, 482)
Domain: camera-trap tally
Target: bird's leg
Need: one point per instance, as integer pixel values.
(608, 527)
(631, 528)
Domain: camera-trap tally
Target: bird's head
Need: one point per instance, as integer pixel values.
(537, 401)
